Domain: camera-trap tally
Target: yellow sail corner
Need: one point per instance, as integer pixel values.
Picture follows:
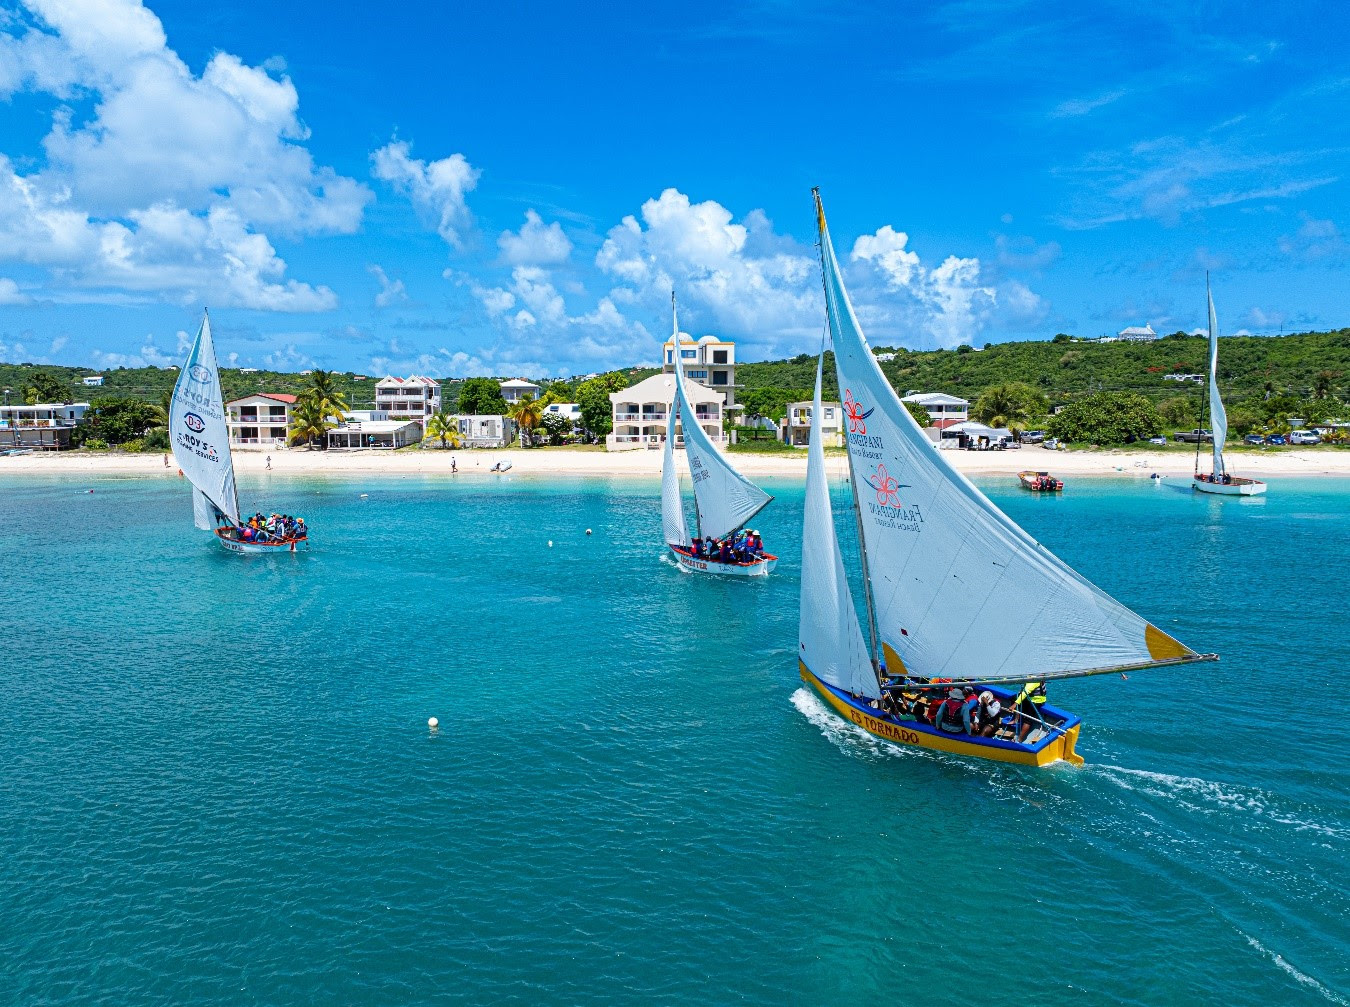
(894, 666)
(1162, 647)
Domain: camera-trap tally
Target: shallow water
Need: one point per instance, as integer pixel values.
(219, 786)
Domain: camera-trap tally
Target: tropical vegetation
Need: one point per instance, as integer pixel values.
(1107, 418)
(526, 412)
(444, 426)
(318, 408)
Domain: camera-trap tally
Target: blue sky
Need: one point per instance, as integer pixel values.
(504, 190)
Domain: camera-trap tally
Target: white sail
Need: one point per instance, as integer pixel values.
(672, 507)
(830, 639)
(1218, 419)
(726, 500)
(957, 588)
(203, 514)
(201, 441)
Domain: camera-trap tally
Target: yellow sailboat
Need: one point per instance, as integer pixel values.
(960, 601)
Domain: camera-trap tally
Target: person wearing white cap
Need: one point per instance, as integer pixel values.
(988, 714)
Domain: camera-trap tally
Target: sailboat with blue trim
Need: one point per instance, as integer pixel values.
(957, 594)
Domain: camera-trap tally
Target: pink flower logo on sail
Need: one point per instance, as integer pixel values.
(857, 419)
(887, 487)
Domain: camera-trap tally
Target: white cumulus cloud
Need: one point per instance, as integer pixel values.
(535, 244)
(10, 292)
(391, 291)
(437, 189)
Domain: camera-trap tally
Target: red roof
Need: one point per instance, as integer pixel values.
(278, 396)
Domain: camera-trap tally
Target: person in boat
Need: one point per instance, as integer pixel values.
(1028, 706)
(953, 715)
(988, 714)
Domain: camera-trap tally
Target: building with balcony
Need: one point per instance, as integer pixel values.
(92, 380)
(517, 388)
(411, 398)
(795, 426)
(357, 434)
(262, 420)
(710, 362)
(943, 410)
(46, 425)
(640, 413)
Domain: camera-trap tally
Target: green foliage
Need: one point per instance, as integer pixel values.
(44, 386)
(772, 403)
(96, 444)
(117, 420)
(919, 413)
(309, 422)
(1107, 418)
(1180, 411)
(445, 428)
(556, 425)
(481, 397)
(526, 412)
(597, 418)
(157, 440)
(1012, 405)
(1244, 420)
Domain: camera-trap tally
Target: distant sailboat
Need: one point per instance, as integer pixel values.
(956, 593)
(1218, 480)
(724, 500)
(201, 447)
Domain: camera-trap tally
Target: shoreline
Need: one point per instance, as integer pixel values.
(647, 464)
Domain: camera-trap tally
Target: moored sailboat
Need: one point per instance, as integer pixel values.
(724, 500)
(201, 447)
(1219, 481)
(957, 594)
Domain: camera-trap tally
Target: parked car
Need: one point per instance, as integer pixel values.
(1033, 436)
(1253, 439)
(1304, 437)
(1277, 439)
(1157, 440)
(1051, 444)
(1194, 436)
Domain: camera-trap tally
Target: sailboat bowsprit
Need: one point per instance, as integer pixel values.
(200, 439)
(724, 500)
(957, 594)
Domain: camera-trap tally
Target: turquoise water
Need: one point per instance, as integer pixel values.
(217, 783)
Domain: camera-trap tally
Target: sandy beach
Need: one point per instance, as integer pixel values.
(1273, 463)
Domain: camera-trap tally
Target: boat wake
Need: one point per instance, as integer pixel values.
(1302, 978)
(848, 738)
(1208, 797)
(665, 558)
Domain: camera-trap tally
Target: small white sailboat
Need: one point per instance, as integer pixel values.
(1219, 481)
(724, 500)
(201, 447)
(957, 594)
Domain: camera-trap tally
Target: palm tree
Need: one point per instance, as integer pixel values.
(527, 413)
(444, 426)
(309, 421)
(1010, 405)
(325, 393)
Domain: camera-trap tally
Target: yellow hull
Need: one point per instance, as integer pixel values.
(1060, 749)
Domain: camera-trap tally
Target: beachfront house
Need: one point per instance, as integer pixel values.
(262, 420)
(710, 362)
(639, 413)
(488, 431)
(411, 398)
(517, 388)
(373, 430)
(795, 427)
(46, 425)
(92, 381)
(568, 410)
(943, 410)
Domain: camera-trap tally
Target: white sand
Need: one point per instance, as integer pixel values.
(1271, 463)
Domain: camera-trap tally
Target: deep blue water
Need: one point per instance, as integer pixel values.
(218, 784)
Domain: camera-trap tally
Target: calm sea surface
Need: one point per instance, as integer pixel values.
(217, 783)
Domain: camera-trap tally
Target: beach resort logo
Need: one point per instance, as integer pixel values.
(199, 373)
(194, 423)
(857, 418)
(888, 510)
(886, 486)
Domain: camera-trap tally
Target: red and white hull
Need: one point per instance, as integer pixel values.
(271, 548)
(1238, 487)
(761, 566)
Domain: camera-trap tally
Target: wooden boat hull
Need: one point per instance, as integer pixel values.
(1237, 488)
(260, 548)
(1057, 747)
(759, 568)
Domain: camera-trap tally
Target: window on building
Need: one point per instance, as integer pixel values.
(697, 375)
(720, 357)
(719, 377)
(689, 354)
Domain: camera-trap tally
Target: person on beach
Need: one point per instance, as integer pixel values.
(269, 463)
(166, 459)
(453, 467)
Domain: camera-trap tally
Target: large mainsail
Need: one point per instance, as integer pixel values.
(830, 639)
(958, 589)
(201, 441)
(1218, 419)
(672, 507)
(726, 500)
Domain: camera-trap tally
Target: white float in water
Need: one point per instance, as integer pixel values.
(433, 723)
(550, 543)
(588, 531)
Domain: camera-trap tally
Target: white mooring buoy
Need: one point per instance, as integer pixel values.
(588, 531)
(433, 723)
(550, 543)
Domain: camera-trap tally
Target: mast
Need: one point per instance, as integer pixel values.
(1204, 396)
(874, 650)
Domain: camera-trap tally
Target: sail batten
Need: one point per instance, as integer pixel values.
(198, 432)
(958, 588)
(725, 499)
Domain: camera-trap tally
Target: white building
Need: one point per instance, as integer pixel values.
(1137, 334)
(92, 381)
(795, 427)
(374, 435)
(640, 412)
(569, 410)
(943, 410)
(884, 358)
(488, 431)
(410, 398)
(517, 388)
(1198, 379)
(710, 362)
(44, 425)
(263, 419)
